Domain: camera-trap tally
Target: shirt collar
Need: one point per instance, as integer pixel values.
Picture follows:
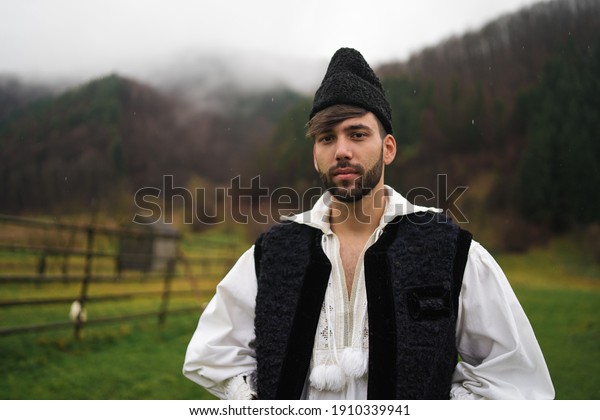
(396, 205)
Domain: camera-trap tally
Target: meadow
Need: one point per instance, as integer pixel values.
(559, 288)
(557, 285)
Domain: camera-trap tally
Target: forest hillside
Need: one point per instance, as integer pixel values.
(499, 126)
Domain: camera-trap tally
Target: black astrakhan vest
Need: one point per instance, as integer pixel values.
(413, 276)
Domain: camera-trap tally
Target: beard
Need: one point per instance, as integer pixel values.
(350, 191)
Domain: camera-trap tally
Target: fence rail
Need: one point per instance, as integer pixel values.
(141, 257)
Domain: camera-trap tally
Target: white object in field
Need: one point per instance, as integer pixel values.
(76, 310)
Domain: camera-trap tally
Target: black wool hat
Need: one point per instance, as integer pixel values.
(349, 80)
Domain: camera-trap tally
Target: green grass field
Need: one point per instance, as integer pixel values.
(133, 361)
(559, 289)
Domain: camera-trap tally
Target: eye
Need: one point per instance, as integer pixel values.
(327, 138)
(359, 135)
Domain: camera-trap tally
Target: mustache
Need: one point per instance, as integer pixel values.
(343, 165)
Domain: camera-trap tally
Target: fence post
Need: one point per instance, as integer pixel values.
(89, 255)
(41, 268)
(164, 306)
(65, 267)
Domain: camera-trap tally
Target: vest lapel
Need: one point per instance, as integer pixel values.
(302, 337)
(382, 318)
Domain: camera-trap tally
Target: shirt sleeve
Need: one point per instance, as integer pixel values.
(501, 358)
(220, 348)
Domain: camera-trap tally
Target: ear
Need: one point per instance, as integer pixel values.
(389, 149)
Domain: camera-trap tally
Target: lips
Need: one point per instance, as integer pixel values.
(345, 174)
(345, 171)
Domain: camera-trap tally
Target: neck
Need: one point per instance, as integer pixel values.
(358, 217)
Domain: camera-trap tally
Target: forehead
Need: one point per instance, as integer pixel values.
(366, 121)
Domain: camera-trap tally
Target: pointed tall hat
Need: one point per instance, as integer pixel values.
(350, 80)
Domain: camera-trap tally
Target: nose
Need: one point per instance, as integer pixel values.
(343, 149)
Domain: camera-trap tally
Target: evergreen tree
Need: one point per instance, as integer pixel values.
(560, 169)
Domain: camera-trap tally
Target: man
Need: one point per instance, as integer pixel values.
(365, 295)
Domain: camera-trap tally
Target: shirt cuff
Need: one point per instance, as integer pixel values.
(459, 392)
(240, 388)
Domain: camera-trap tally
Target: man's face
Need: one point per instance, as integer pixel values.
(350, 157)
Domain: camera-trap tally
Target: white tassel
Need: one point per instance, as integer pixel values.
(336, 380)
(355, 362)
(317, 377)
(328, 378)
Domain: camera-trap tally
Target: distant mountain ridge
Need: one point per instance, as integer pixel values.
(15, 94)
(114, 135)
(77, 146)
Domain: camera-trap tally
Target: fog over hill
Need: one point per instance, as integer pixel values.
(214, 81)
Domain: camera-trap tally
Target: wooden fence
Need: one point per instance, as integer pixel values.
(86, 266)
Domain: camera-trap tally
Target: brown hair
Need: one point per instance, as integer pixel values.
(328, 118)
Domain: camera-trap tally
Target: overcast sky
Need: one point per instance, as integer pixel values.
(65, 38)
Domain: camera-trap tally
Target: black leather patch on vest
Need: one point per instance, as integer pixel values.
(429, 302)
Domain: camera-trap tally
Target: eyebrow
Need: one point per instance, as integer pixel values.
(352, 127)
(358, 127)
